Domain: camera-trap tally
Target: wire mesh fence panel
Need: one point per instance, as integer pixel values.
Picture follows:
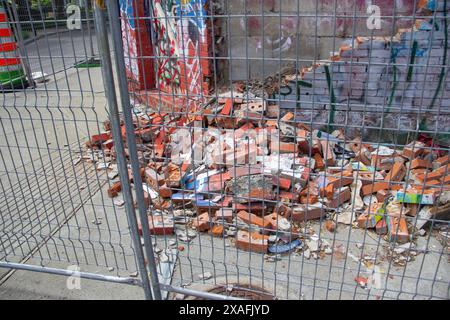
(265, 149)
(293, 149)
(57, 171)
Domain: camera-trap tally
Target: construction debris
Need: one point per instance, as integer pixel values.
(238, 171)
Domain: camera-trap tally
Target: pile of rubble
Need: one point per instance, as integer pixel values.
(242, 169)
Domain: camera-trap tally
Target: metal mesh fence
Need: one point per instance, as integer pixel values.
(56, 212)
(284, 141)
(275, 149)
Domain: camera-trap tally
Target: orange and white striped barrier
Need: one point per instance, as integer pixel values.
(12, 75)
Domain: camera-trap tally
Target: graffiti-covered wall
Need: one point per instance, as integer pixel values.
(182, 46)
(137, 44)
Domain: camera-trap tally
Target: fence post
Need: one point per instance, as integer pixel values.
(108, 78)
(116, 33)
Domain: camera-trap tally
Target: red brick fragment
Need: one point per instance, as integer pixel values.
(327, 192)
(320, 164)
(421, 163)
(159, 225)
(217, 230)
(377, 186)
(253, 207)
(309, 199)
(202, 222)
(330, 225)
(100, 138)
(225, 214)
(381, 227)
(114, 190)
(108, 144)
(153, 178)
(340, 197)
(283, 183)
(251, 241)
(283, 147)
(442, 161)
(304, 213)
(227, 107)
(327, 152)
(253, 219)
(164, 191)
(398, 229)
(397, 173)
(413, 150)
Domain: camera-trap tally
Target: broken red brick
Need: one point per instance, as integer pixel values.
(316, 147)
(385, 162)
(320, 164)
(217, 230)
(173, 176)
(272, 220)
(327, 153)
(382, 195)
(381, 227)
(309, 199)
(217, 182)
(164, 191)
(252, 207)
(227, 107)
(202, 222)
(341, 180)
(377, 186)
(413, 150)
(434, 175)
(307, 212)
(159, 225)
(251, 241)
(397, 173)
(283, 147)
(330, 225)
(100, 138)
(442, 161)
(366, 220)
(291, 196)
(340, 197)
(108, 144)
(327, 192)
(153, 178)
(225, 214)
(398, 229)
(283, 210)
(253, 219)
(114, 190)
(283, 183)
(287, 117)
(420, 163)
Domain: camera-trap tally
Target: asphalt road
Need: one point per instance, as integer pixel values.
(59, 49)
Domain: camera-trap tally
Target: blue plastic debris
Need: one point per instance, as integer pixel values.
(284, 247)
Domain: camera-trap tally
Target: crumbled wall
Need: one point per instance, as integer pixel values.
(395, 83)
(306, 30)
